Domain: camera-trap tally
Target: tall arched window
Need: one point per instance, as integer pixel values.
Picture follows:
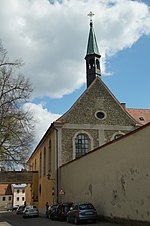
(49, 156)
(97, 64)
(40, 164)
(81, 144)
(91, 63)
(44, 163)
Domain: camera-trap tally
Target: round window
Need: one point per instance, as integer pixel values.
(100, 115)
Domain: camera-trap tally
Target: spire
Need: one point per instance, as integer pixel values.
(92, 56)
(92, 43)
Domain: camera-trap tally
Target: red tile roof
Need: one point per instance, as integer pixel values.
(5, 189)
(140, 115)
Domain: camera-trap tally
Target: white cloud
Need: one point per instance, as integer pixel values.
(52, 38)
(42, 118)
(52, 41)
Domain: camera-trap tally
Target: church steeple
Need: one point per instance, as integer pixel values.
(92, 56)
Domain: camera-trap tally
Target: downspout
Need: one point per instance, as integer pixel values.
(57, 185)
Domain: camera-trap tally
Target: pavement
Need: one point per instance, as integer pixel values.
(4, 224)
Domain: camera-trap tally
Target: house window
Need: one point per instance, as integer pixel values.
(44, 163)
(9, 198)
(141, 118)
(4, 198)
(17, 199)
(23, 191)
(22, 198)
(18, 191)
(81, 145)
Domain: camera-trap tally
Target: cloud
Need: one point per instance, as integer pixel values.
(42, 118)
(51, 37)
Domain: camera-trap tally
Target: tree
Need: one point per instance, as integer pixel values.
(16, 123)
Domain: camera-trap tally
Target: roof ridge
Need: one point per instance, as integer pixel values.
(139, 108)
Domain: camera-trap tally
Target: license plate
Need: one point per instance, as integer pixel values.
(89, 213)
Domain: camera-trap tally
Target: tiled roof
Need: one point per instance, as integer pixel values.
(5, 189)
(140, 115)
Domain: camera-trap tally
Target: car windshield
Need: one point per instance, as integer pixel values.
(21, 207)
(86, 206)
(66, 208)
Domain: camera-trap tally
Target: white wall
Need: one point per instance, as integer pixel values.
(115, 177)
(20, 195)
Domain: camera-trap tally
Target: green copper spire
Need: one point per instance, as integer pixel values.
(92, 56)
(92, 46)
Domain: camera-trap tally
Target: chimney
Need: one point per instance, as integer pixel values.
(123, 105)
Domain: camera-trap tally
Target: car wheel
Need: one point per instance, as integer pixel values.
(76, 220)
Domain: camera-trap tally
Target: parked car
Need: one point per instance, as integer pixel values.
(30, 211)
(51, 213)
(60, 212)
(20, 209)
(82, 212)
(14, 208)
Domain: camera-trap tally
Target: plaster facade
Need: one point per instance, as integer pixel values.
(19, 194)
(114, 177)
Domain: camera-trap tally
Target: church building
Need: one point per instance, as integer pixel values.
(96, 118)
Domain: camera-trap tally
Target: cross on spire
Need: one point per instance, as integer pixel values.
(90, 14)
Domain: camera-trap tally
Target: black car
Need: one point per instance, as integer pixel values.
(20, 209)
(14, 208)
(60, 212)
(51, 211)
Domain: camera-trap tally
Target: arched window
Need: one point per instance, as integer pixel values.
(117, 135)
(44, 163)
(49, 156)
(40, 164)
(81, 144)
(97, 64)
(91, 63)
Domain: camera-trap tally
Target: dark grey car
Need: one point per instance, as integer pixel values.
(82, 212)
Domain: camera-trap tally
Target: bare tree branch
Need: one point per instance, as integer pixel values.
(16, 124)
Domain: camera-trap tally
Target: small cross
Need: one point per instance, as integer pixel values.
(90, 14)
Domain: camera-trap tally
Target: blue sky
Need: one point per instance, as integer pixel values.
(129, 80)
(52, 41)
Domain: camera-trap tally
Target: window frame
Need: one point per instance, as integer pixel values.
(90, 141)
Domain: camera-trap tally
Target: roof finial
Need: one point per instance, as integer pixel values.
(90, 14)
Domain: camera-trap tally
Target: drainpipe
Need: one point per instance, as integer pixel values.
(57, 175)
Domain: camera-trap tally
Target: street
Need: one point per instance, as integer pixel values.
(12, 219)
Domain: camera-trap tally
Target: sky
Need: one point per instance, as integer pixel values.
(51, 38)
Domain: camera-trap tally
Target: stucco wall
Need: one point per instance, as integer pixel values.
(7, 203)
(43, 187)
(115, 177)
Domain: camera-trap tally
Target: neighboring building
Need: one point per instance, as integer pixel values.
(6, 197)
(95, 119)
(19, 194)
